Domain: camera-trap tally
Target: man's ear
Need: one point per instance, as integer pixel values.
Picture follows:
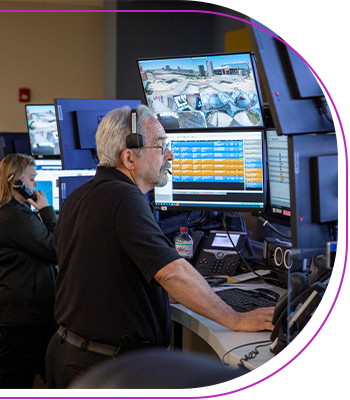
(128, 159)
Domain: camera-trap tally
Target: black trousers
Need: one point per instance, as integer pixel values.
(22, 354)
(65, 362)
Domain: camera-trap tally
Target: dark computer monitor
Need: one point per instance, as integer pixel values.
(42, 129)
(278, 199)
(213, 170)
(66, 185)
(207, 91)
(48, 172)
(296, 101)
(77, 122)
(14, 142)
(313, 161)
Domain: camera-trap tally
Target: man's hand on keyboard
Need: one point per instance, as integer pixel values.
(256, 320)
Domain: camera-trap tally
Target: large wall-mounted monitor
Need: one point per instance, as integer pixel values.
(48, 172)
(42, 129)
(77, 122)
(222, 171)
(313, 161)
(203, 91)
(296, 101)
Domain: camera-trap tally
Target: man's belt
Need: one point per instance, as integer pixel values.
(88, 345)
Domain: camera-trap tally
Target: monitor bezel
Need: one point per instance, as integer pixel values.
(257, 85)
(41, 156)
(223, 208)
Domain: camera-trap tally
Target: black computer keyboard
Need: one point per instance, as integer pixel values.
(248, 300)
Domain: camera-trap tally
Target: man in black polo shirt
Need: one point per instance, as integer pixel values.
(116, 267)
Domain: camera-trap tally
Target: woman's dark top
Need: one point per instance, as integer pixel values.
(27, 265)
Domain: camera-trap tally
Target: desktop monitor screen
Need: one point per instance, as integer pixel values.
(48, 172)
(278, 173)
(220, 171)
(14, 142)
(206, 91)
(42, 129)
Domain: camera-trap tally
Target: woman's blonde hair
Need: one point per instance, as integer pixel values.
(12, 167)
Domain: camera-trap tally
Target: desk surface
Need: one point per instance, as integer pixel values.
(222, 339)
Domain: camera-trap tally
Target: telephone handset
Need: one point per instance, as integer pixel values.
(298, 285)
(304, 299)
(300, 288)
(24, 190)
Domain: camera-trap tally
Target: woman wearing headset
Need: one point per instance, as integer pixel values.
(27, 272)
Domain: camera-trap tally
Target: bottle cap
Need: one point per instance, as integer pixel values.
(184, 229)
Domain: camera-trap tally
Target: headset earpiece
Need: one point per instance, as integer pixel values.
(135, 140)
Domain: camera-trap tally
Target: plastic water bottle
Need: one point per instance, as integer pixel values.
(184, 243)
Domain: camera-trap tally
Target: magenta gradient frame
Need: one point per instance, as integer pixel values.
(323, 362)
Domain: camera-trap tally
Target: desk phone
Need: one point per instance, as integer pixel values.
(218, 256)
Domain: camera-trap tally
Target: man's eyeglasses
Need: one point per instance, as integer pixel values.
(166, 146)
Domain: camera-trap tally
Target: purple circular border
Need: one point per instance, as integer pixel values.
(323, 376)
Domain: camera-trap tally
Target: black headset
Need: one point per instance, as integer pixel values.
(135, 140)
